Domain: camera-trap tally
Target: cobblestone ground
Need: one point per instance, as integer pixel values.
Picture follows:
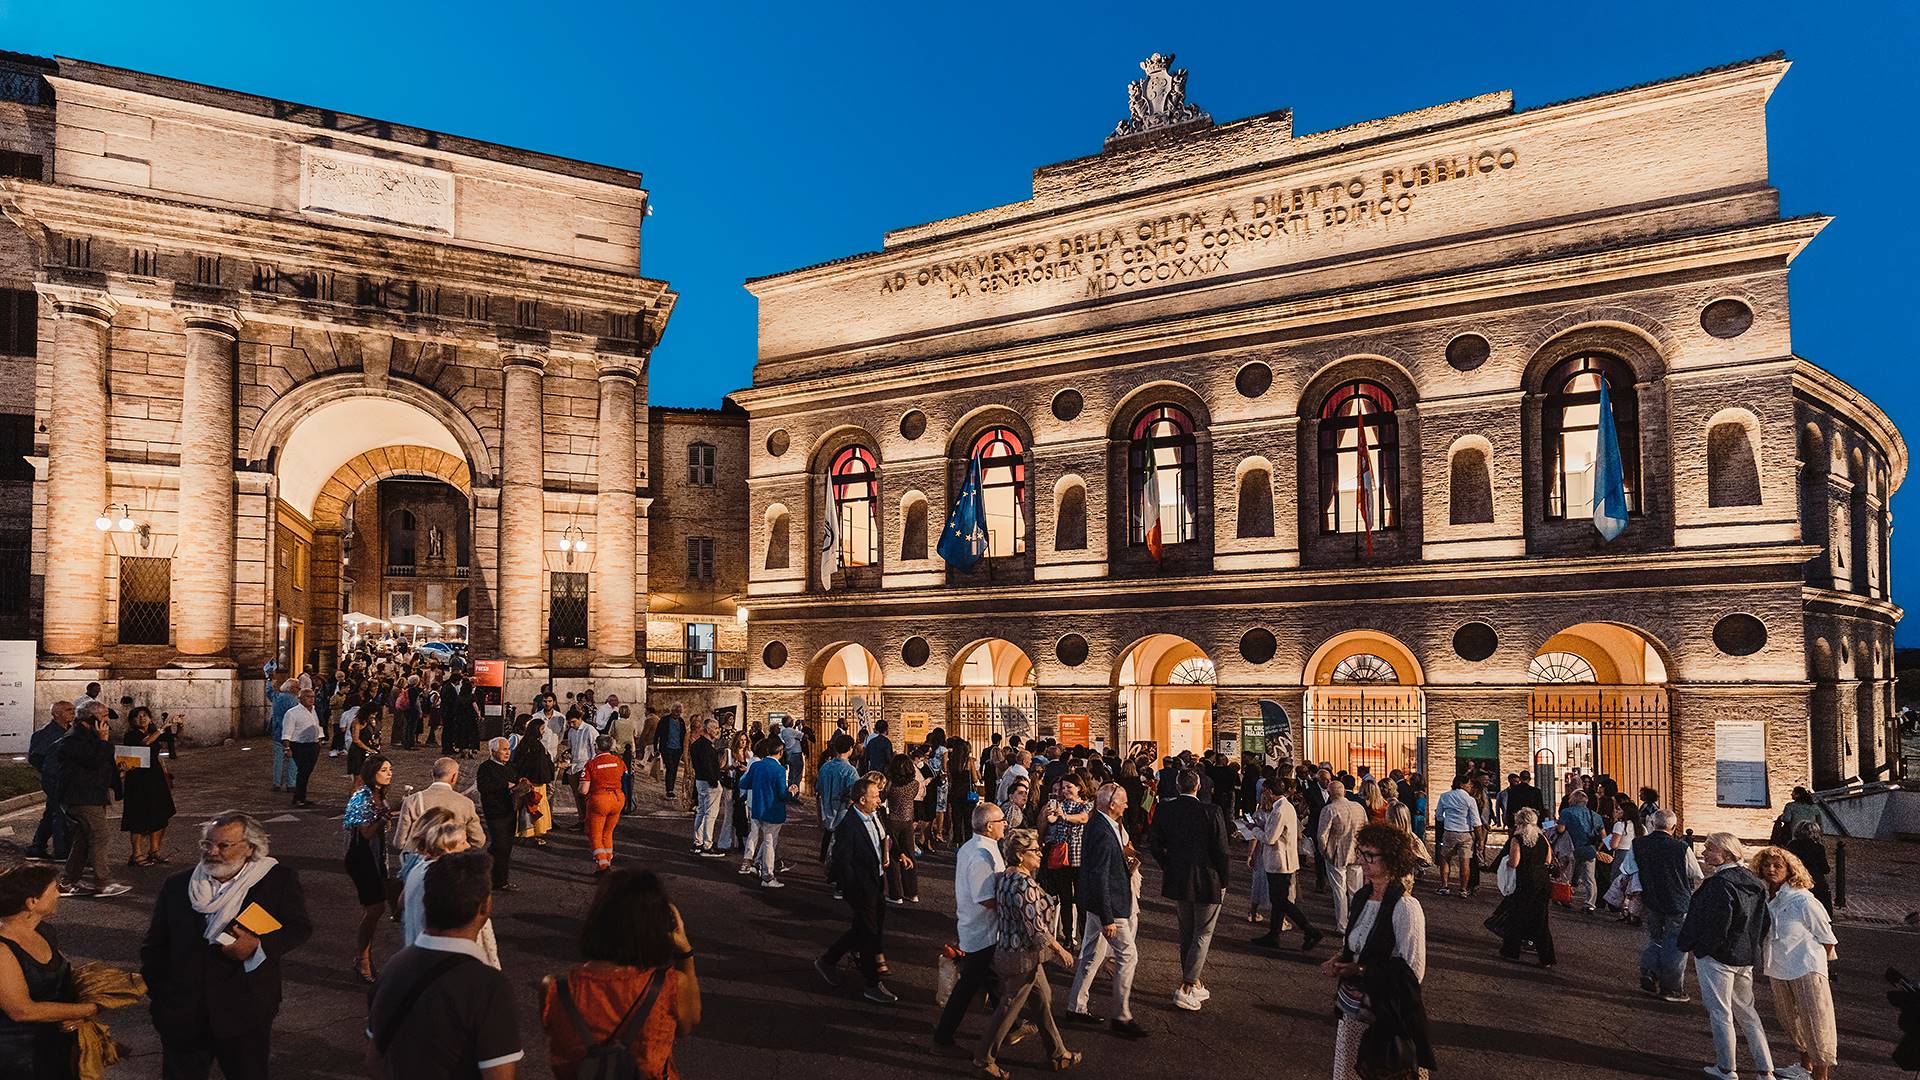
(768, 1015)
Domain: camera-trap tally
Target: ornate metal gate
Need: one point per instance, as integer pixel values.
(974, 713)
(1351, 726)
(1619, 731)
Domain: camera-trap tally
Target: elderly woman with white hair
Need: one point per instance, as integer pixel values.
(437, 834)
(1726, 931)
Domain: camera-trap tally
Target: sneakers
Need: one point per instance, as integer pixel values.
(1200, 991)
(746, 868)
(1791, 1072)
(1020, 1031)
(1186, 999)
(114, 888)
(1675, 997)
(1650, 986)
(1719, 1073)
(711, 853)
(894, 901)
(880, 995)
(77, 890)
(772, 883)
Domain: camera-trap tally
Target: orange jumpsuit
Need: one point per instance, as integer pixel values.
(604, 803)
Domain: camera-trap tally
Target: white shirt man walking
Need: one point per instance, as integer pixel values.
(974, 865)
(1459, 818)
(1340, 826)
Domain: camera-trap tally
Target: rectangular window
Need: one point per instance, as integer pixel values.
(399, 603)
(146, 586)
(567, 610)
(700, 558)
(700, 641)
(19, 322)
(700, 464)
(24, 165)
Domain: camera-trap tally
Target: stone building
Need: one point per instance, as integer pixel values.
(237, 323)
(697, 558)
(1355, 380)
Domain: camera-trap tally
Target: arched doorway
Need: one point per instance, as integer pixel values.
(1364, 707)
(990, 688)
(843, 688)
(1599, 706)
(1164, 695)
(374, 516)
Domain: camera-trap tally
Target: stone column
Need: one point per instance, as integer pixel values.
(613, 638)
(76, 471)
(203, 568)
(522, 508)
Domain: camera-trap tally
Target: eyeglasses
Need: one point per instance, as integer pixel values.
(221, 845)
(1372, 856)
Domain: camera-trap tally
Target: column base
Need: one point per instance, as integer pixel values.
(211, 699)
(523, 680)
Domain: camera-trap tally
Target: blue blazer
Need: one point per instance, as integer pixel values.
(1106, 887)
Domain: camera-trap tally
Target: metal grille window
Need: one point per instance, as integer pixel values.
(567, 610)
(699, 558)
(146, 586)
(700, 464)
(19, 322)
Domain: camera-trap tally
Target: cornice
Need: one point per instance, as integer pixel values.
(143, 221)
(1819, 383)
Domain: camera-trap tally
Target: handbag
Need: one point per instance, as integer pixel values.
(946, 973)
(1507, 875)
(1059, 855)
(1563, 892)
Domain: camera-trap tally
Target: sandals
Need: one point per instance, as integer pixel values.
(1066, 1061)
(990, 1071)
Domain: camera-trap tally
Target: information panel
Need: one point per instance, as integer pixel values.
(1740, 763)
(18, 662)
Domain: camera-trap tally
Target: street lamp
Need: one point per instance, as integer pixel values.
(107, 522)
(573, 542)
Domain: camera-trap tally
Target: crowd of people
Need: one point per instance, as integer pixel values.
(1047, 846)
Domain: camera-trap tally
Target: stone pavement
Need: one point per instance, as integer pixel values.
(768, 1016)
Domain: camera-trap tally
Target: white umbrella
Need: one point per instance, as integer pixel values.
(352, 617)
(461, 621)
(420, 622)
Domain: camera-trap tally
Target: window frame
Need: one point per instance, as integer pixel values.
(1622, 395)
(1142, 443)
(1383, 442)
(700, 566)
(701, 459)
(856, 466)
(158, 614)
(574, 596)
(1014, 465)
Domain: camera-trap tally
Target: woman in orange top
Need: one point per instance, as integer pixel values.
(633, 942)
(605, 800)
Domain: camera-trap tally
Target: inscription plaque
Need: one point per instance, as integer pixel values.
(369, 189)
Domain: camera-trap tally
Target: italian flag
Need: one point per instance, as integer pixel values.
(1150, 502)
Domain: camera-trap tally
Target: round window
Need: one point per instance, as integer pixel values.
(778, 442)
(1071, 650)
(1253, 380)
(774, 655)
(1257, 645)
(1475, 641)
(913, 425)
(1468, 351)
(1726, 318)
(1740, 634)
(1067, 405)
(914, 651)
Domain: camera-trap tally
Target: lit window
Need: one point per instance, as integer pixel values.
(1355, 414)
(1003, 490)
(1572, 428)
(856, 489)
(1163, 442)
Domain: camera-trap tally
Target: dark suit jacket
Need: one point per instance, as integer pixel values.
(1316, 802)
(1105, 886)
(879, 751)
(856, 866)
(1524, 795)
(495, 781)
(184, 972)
(1189, 840)
(456, 706)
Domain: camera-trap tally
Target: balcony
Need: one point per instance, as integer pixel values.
(400, 569)
(696, 666)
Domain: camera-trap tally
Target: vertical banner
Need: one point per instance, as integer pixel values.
(489, 696)
(19, 661)
(1276, 729)
(1740, 763)
(1075, 730)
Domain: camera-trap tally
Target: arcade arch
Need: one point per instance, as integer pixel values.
(1364, 705)
(1599, 706)
(1164, 694)
(843, 685)
(991, 688)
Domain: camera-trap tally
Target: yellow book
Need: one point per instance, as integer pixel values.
(255, 920)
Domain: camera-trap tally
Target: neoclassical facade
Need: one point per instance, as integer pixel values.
(247, 315)
(1355, 378)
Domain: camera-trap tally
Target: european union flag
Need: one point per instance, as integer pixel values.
(1610, 475)
(964, 543)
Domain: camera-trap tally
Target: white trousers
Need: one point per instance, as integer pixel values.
(1727, 992)
(1093, 953)
(761, 843)
(705, 818)
(1344, 881)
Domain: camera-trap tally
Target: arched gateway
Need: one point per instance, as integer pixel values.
(250, 362)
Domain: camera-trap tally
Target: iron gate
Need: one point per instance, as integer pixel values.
(1384, 729)
(858, 706)
(974, 713)
(1619, 731)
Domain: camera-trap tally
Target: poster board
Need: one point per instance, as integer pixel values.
(1253, 735)
(1740, 763)
(133, 757)
(1476, 739)
(489, 696)
(914, 726)
(1075, 730)
(19, 662)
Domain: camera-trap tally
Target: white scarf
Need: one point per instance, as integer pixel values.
(222, 901)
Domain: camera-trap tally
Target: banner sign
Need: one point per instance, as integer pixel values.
(1477, 739)
(1740, 763)
(1075, 730)
(19, 661)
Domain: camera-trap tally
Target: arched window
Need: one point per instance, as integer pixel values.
(1470, 491)
(856, 488)
(913, 528)
(1356, 414)
(1003, 489)
(1256, 504)
(1163, 442)
(1070, 518)
(1571, 425)
(1365, 668)
(1560, 667)
(1733, 470)
(401, 533)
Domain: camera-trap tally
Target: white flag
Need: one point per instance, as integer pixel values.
(829, 534)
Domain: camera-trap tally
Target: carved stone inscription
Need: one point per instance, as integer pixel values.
(393, 192)
(1206, 240)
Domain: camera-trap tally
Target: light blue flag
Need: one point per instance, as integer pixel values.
(1610, 475)
(964, 543)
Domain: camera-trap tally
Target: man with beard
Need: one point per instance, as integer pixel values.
(213, 983)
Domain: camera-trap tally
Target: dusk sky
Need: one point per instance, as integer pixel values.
(775, 136)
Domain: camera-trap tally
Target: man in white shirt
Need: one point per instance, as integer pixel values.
(300, 733)
(1340, 824)
(603, 716)
(1015, 771)
(974, 865)
(92, 695)
(1459, 817)
(581, 737)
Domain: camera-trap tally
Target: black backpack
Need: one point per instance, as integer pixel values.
(609, 1058)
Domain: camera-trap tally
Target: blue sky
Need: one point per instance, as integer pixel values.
(774, 136)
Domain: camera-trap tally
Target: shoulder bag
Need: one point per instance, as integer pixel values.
(611, 1058)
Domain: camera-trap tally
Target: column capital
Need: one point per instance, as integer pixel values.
(211, 318)
(514, 354)
(79, 301)
(619, 366)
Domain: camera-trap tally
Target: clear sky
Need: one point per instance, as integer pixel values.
(775, 136)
